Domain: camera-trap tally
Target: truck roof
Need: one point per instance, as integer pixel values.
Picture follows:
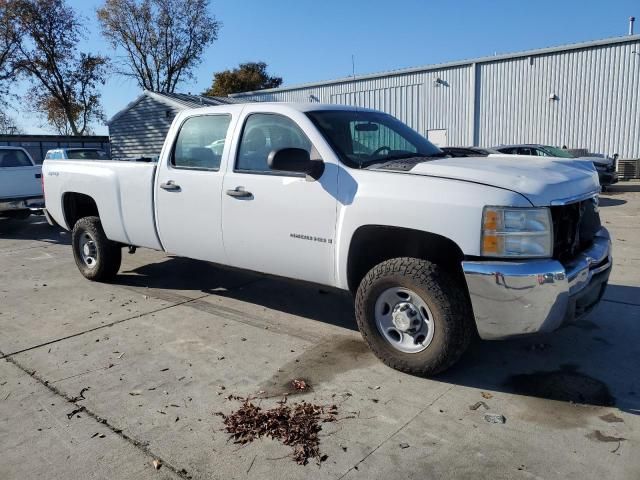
(297, 106)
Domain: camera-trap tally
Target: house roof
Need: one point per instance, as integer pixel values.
(180, 101)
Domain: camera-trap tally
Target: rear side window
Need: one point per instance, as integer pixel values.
(263, 133)
(14, 158)
(88, 154)
(200, 142)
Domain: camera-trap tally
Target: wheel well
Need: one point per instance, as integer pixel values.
(76, 206)
(373, 244)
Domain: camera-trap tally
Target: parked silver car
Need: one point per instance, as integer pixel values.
(604, 165)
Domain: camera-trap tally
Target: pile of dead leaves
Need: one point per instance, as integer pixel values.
(297, 425)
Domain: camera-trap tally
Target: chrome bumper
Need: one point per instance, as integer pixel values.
(531, 296)
(33, 203)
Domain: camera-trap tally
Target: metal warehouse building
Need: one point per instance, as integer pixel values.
(584, 95)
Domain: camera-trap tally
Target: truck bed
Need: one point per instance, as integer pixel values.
(122, 190)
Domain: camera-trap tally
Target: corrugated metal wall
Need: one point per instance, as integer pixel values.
(595, 105)
(581, 98)
(140, 131)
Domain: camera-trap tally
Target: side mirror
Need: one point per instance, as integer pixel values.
(294, 160)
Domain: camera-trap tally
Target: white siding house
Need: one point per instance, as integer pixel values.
(139, 129)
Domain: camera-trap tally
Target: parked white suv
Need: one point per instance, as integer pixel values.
(20, 183)
(434, 249)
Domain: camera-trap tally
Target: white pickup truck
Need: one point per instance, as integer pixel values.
(435, 249)
(20, 183)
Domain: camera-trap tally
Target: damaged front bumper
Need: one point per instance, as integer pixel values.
(511, 298)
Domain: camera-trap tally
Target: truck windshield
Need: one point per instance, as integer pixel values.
(364, 138)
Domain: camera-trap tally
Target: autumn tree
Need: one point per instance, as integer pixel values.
(65, 82)
(162, 40)
(247, 77)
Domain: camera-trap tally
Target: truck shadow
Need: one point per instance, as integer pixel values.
(287, 296)
(33, 228)
(611, 202)
(592, 362)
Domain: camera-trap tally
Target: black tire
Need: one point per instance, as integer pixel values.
(106, 255)
(447, 300)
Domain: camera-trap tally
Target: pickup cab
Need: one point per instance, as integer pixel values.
(435, 250)
(20, 183)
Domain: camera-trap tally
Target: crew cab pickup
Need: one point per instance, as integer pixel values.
(434, 249)
(20, 183)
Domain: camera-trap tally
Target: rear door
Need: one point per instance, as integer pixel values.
(278, 222)
(19, 177)
(189, 185)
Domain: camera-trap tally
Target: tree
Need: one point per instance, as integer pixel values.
(57, 115)
(163, 40)
(65, 82)
(247, 77)
(9, 39)
(8, 125)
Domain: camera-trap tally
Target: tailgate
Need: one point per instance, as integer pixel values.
(20, 182)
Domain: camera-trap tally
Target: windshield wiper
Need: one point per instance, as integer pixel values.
(391, 159)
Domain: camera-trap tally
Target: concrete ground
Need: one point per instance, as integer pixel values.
(100, 380)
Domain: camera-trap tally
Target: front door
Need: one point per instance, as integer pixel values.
(277, 222)
(189, 186)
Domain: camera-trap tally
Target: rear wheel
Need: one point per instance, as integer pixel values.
(97, 257)
(414, 316)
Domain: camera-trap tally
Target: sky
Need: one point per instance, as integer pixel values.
(312, 40)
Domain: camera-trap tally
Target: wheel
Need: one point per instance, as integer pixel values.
(414, 316)
(97, 257)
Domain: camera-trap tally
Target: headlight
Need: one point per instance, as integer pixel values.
(516, 232)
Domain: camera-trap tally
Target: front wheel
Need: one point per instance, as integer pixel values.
(97, 257)
(414, 316)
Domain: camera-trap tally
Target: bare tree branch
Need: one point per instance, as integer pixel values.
(65, 82)
(163, 40)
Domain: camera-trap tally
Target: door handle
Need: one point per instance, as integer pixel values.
(170, 186)
(38, 175)
(239, 192)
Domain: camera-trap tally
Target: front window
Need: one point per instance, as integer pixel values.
(263, 133)
(364, 138)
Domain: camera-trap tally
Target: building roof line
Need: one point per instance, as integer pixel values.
(189, 101)
(446, 65)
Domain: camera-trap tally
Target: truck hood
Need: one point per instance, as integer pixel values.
(541, 180)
